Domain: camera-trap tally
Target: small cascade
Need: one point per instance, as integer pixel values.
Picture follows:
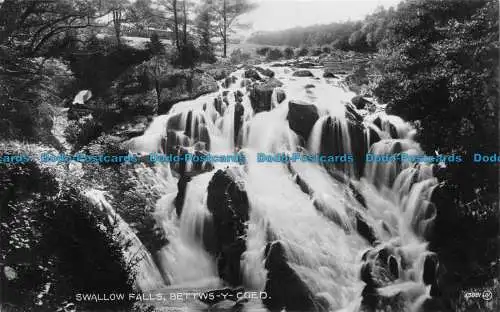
(147, 276)
(184, 260)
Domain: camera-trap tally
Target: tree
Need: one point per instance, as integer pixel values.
(228, 13)
(206, 29)
(176, 13)
(142, 15)
(32, 24)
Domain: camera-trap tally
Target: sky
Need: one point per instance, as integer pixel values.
(282, 14)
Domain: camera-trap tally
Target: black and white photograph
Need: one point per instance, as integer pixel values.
(249, 156)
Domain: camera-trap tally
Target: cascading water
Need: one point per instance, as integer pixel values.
(330, 221)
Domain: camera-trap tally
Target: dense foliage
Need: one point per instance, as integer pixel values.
(54, 243)
(440, 69)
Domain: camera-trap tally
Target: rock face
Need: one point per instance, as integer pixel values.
(261, 94)
(252, 73)
(82, 97)
(303, 73)
(301, 117)
(360, 102)
(184, 86)
(266, 72)
(280, 95)
(329, 75)
(181, 193)
(227, 201)
(284, 287)
(239, 110)
(305, 65)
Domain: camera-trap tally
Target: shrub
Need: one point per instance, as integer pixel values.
(238, 57)
(288, 53)
(188, 56)
(61, 239)
(262, 51)
(81, 132)
(326, 49)
(302, 52)
(274, 54)
(155, 46)
(316, 52)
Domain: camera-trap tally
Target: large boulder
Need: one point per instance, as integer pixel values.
(252, 73)
(360, 102)
(305, 65)
(181, 193)
(239, 110)
(329, 75)
(227, 201)
(303, 73)
(266, 72)
(261, 94)
(280, 95)
(284, 288)
(301, 117)
(82, 97)
(184, 86)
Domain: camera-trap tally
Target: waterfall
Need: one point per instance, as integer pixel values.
(334, 222)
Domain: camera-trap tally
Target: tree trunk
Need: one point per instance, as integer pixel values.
(184, 28)
(117, 17)
(176, 26)
(224, 35)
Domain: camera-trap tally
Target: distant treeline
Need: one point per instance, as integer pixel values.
(362, 36)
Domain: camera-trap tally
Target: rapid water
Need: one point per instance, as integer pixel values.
(321, 222)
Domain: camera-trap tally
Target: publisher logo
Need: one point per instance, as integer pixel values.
(484, 294)
(487, 295)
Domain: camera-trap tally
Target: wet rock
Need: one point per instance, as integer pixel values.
(219, 105)
(372, 137)
(352, 114)
(393, 266)
(239, 110)
(266, 72)
(305, 65)
(228, 81)
(9, 273)
(365, 230)
(238, 96)
(378, 122)
(135, 127)
(430, 270)
(360, 102)
(261, 94)
(356, 194)
(284, 287)
(245, 83)
(252, 73)
(174, 122)
(227, 201)
(280, 96)
(184, 86)
(329, 75)
(301, 117)
(82, 97)
(393, 131)
(303, 73)
(181, 193)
